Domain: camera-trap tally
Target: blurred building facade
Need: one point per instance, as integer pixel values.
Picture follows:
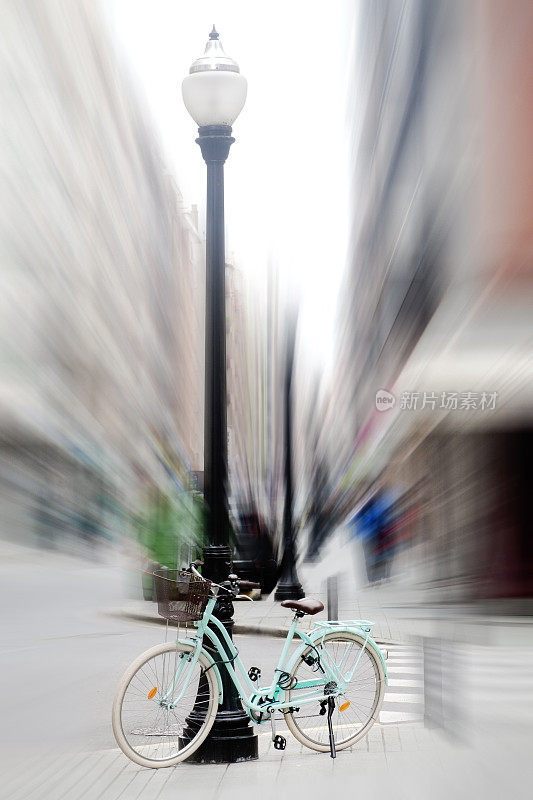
(254, 384)
(432, 399)
(101, 398)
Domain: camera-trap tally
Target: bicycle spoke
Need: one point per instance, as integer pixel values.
(345, 656)
(151, 728)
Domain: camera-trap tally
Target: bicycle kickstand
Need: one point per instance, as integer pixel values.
(331, 706)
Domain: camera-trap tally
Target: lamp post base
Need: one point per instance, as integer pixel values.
(231, 739)
(289, 587)
(289, 591)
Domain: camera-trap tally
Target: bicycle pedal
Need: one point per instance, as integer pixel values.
(280, 742)
(254, 673)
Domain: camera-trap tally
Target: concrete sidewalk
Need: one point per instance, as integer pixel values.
(403, 762)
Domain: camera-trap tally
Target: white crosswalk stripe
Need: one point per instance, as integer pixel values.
(404, 695)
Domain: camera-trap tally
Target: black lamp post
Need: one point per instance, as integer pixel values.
(214, 93)
(289, 586)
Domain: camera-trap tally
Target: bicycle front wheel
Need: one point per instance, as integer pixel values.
(356, 709)
(163, 710)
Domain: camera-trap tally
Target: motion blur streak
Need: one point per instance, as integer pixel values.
(435, 312)
(102, 318)
(412, 453)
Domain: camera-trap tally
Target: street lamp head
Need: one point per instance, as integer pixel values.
(214, 91)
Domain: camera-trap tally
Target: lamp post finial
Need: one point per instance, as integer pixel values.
(213, 34)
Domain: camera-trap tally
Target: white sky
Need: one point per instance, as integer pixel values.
(286, 177)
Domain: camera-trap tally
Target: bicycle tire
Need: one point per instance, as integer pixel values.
(147, 745)
(310, 727)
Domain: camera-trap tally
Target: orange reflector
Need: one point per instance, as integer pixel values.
(344, 706)
(152, 692)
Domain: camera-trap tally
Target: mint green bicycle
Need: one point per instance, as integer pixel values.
(330, 689)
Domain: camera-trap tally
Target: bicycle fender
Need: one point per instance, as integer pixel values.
(197, 646)
(313, 636)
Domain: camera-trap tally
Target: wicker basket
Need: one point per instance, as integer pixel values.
(181, 596)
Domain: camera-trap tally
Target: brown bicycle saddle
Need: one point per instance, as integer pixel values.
(307, 605)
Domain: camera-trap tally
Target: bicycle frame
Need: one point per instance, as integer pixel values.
(252, 695)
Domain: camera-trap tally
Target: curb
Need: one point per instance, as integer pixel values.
(254, 630)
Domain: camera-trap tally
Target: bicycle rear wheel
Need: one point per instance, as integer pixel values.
(147, 730)
(360, 703)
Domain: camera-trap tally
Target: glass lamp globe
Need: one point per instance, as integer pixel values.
(214, 91)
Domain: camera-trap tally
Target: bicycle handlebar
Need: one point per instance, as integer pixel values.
(236, 583)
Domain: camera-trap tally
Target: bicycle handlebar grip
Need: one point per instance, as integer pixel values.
(193, 569)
